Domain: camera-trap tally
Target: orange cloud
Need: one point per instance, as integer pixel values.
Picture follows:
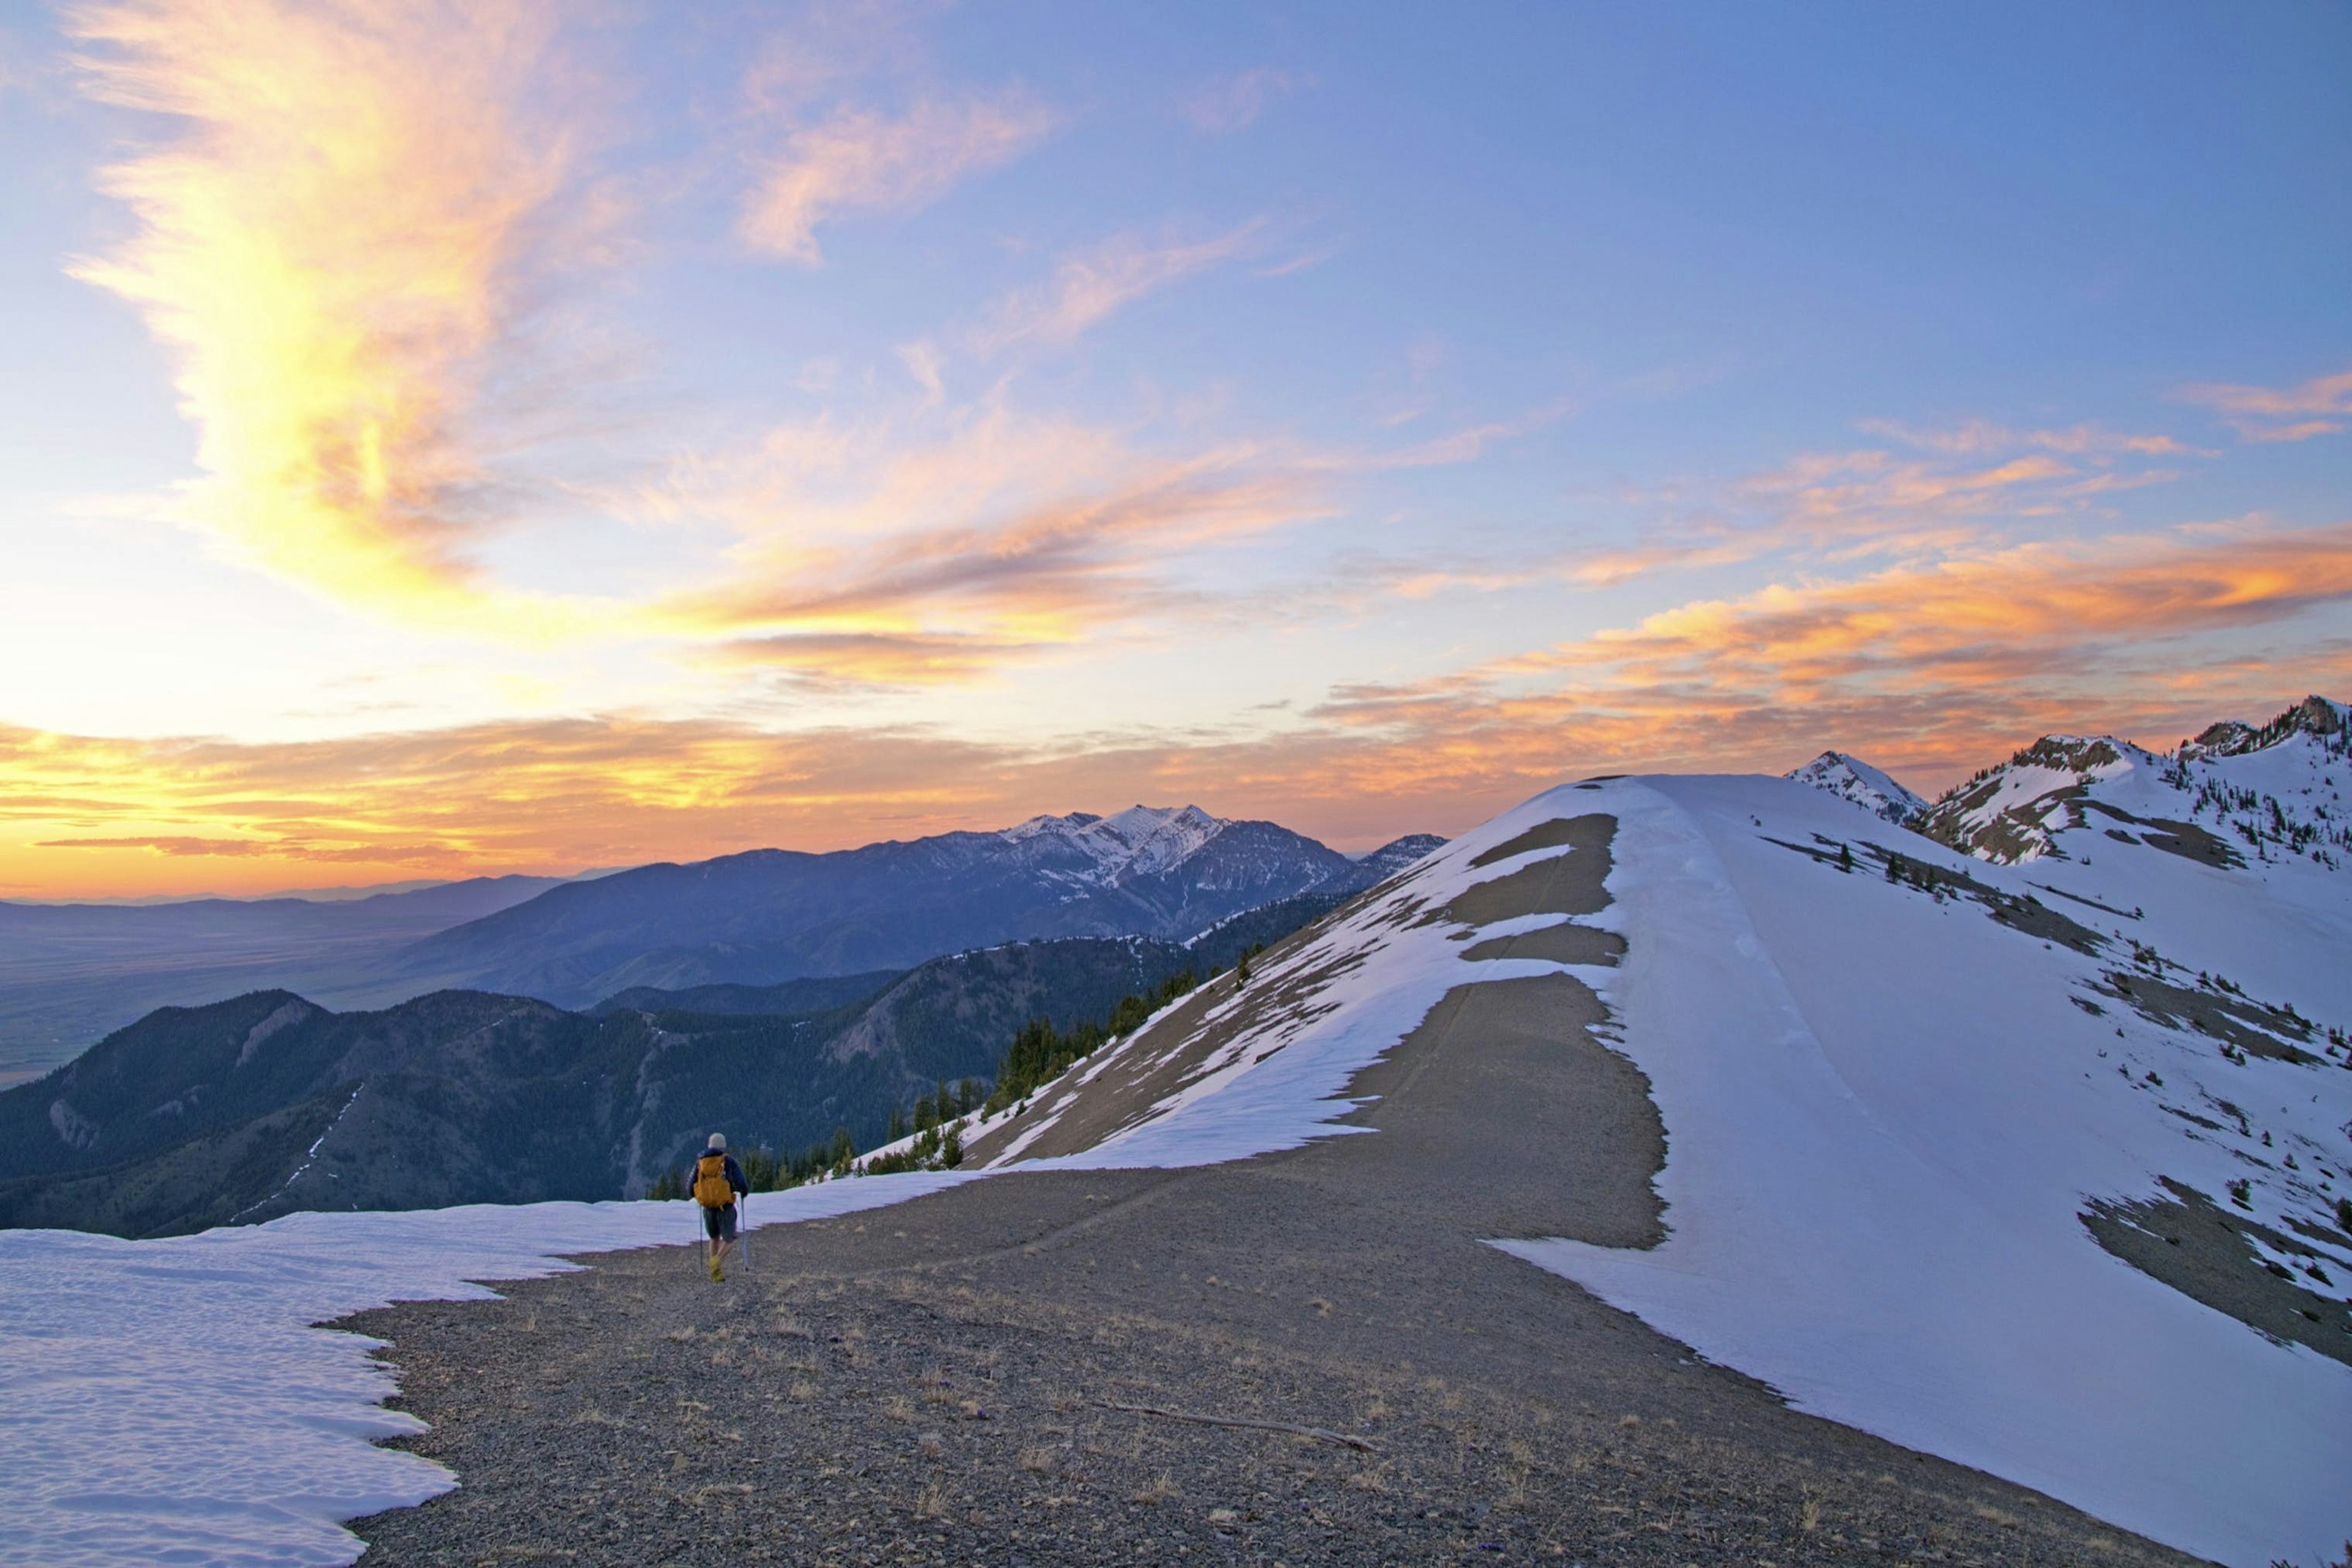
(2316, 407)
(1999, 615)
(875, 659)
(338, 243)
(858, 158)
(1931, 670)
(867, 558)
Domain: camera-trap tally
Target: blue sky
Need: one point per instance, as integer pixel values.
(800, 424)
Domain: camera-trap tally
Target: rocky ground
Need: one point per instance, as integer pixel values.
(1300, 1359)
(1014, 1371)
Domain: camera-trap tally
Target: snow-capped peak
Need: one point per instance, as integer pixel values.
(1851, 778)
(1140, 841)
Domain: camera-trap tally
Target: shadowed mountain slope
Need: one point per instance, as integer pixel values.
(268, 1103)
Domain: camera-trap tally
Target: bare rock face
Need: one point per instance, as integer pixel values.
(2314, 716)
(2014, 812)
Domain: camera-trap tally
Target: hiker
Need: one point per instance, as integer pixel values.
(717, 1180)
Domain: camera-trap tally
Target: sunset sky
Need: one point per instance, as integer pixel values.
(442, 437)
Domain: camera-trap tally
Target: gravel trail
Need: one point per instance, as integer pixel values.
(1306, 1358)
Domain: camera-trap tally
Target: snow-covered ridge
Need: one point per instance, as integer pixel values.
(2236, 792)
(1906, 1091)
(1851, 778)
(2314, 716)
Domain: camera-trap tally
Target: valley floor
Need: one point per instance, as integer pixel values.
(942, 1381)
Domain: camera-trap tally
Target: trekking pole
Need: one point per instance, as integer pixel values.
(743, 1227)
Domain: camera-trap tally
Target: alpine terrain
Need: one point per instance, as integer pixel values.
(266, 1103)
(1670, 1170)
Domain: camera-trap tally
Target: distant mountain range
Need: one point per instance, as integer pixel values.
(579, 1041)
(248, 1109)
(772, 915)
(70, 973)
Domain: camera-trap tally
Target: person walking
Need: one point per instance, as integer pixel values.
(718, 1180)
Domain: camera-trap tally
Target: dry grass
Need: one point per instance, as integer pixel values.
(1038, 1461)
(1161, 1490)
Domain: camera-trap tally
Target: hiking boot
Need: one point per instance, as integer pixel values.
(717, 1273)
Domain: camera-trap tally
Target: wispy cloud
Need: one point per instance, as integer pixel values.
(1232, 102)
(341, 241)
(863, 159)
(1089, 285)
(2000, 614)
(878, 559)
(923, 362)
(2316, 407)
(1929, 669)
(1977, 438)
(1934, 667)
(1951, 489)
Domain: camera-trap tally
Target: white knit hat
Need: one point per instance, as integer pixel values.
(718, 1140)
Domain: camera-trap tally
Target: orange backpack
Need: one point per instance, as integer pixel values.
(711, 1188)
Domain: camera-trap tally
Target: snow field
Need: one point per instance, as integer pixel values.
(1883, 1116)
(167, 1402)
(1281, 1088)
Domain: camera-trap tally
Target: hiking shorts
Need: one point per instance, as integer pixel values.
(719, 1223)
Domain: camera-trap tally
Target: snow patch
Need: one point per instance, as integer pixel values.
(167, 1401)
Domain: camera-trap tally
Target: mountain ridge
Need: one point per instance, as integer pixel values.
(1918, 1100)
(768, 915)
(70, 974)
